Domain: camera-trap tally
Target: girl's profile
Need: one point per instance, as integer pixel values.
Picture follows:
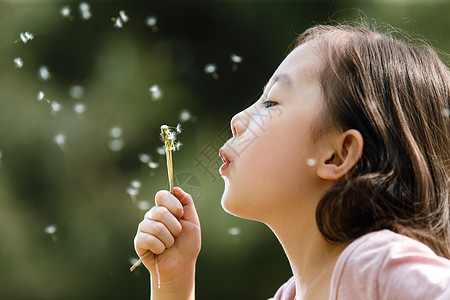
(350, 170)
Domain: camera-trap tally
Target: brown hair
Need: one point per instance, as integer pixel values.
(396, 94)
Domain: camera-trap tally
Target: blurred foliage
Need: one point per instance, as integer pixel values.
(81, 187)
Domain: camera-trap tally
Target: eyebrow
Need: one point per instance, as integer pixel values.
(284, 79)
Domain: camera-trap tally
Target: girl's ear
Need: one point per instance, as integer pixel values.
(340, 159)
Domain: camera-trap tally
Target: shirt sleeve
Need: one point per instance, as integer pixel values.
(286, 291)
(385, 265)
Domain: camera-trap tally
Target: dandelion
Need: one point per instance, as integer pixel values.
(156, 92)
(234, 231)
(311, 162)
(51, 230)
(79, 108)
(40, 96)
(446, 112)
(136, 184)
(56, 107)
(151, 22)
(372, 105)
(118, 23)
(236, 60)
(25, 37)
(76, 91)
(18, 62)
(115, 132)
(168, 137)
(66, 12)
(123, 16)
(143, 205)
(132, 260)
(212, 70)
(116, 145)
(85, 11)
(144, 158)
(178, 145)
(44, 73)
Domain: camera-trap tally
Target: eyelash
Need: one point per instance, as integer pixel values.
(269, 103)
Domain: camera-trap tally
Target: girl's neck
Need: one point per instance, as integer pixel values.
(311, 257)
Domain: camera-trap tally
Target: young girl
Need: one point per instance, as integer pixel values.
(346, 157)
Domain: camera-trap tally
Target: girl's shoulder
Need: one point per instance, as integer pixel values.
(387, 265)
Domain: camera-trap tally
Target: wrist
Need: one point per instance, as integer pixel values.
(181, 287)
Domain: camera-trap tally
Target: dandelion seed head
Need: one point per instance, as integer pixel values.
(60, 139)
(123, 15)
(311, 162)
(144, 158)
(26, 36)
(236, 59)
(161, 150)
(132, 191)
(153, 165)
(210, 68)
(56, 107)
(155, 91)
(234, 231)
(116, 145)
(18, 62)
(184, 116)
(136, 184)
(40, 96)
(79, 108)
(76, 91)
(151, 21)
(51, 229)
(143, 205)
(44, 73)
(115, 132)
(65, 11)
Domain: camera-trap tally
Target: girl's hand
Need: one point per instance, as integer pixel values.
(171, 229)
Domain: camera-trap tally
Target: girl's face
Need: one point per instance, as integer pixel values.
(270, 163)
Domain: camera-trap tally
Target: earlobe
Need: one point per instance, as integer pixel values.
(339, 160)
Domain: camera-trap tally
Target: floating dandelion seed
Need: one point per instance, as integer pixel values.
(212, 70)
(144, 158)
(142, 205)
(446, 112)
(18, 62)
(311, 162)
(372, 105)
(51, 230)
(26, 36)
(85, 11)
(184, 116)
(151, 22)
(56, 107)
(76, 91)
(118, 23)
(153, 165)
(115, 132)
(116, 145)
(136, 184)
(132, 260)
(236, 60)
(156, 92)
(79, 108)
(178, 128)
(40, 96)
(60, 140)
(66, 12)
(44, 73)
(178, 146)
(132, 191)
(161, 150)
(234, 231)
(123, 16)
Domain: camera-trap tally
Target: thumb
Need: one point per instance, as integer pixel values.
(190, 214)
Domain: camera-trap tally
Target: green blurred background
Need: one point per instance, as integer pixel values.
(67, 222)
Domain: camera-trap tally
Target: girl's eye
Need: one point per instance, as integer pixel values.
(269, 103)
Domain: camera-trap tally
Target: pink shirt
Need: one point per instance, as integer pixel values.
(384, 265)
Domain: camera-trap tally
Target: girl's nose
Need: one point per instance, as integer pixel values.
(239, 124)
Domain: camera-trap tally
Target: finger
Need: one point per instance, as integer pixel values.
(163, 215)
(166, 199)
(190, 214)
(158, 230)
(146, 242)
